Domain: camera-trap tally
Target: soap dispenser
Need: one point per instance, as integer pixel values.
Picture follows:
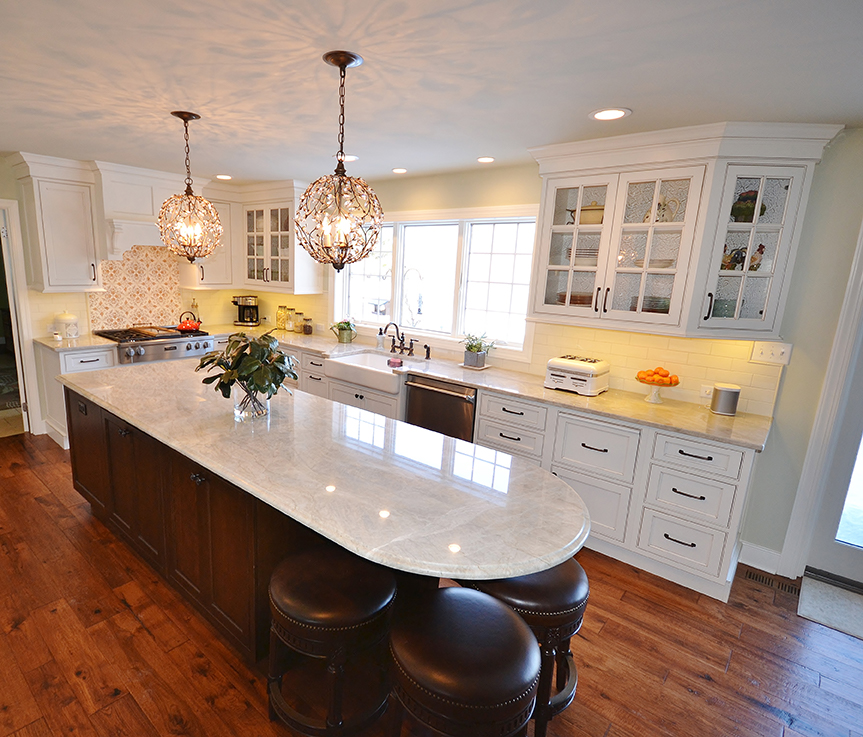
(381, 338)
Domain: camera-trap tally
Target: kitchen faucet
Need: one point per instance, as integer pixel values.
(400, 336)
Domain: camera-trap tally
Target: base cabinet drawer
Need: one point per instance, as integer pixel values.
(693, 496)
(314, 383)
(681, 542)
(607, 503)
(598, 448)
(512, 411)
(511, 439)
(698, 455)
(73, 361)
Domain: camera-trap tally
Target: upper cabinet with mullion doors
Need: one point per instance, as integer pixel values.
(649, 232)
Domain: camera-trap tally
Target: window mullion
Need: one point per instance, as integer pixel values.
(460, 295)
(398, 268)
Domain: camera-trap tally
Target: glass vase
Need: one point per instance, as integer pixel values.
(248, 404)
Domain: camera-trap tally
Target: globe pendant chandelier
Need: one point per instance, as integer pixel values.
(339, 217)
(189, 224)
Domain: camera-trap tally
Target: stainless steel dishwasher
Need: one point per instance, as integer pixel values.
(440, 406)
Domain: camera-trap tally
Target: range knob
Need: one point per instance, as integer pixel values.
(197, 346)
(140, 350)
(129, 352)
(188, 346)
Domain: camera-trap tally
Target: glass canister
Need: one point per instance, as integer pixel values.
(307, 325)
(281, 316)
(289, 318)
(298, 322)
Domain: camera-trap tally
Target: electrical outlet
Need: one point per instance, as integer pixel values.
(706, 391)
(773, 353)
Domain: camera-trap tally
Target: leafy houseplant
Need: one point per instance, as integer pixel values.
(255, 365)
(475, 349)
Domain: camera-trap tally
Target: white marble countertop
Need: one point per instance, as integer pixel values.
(401, 495)
(87, 342)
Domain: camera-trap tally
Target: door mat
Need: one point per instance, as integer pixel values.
(831, 606)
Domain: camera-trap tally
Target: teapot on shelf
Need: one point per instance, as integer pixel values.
(666, 209)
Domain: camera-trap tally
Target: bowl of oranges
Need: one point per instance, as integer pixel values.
(656, 378)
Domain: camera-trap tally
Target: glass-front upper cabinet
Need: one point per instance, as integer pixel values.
(574, 247)
(757, 214)
(652, 239)
(268, 245)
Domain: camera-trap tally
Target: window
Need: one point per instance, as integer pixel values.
(452, 277)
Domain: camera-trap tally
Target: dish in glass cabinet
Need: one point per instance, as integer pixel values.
(656, 263)
(581, 300)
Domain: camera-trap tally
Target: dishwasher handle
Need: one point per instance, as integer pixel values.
(470, 398)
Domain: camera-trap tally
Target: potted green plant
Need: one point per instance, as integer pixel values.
(344, 330)
(253, 369)
(476, 347)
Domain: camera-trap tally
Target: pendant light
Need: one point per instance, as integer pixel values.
(189, 224)
(339, 217)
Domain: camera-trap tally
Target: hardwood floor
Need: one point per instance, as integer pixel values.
(93, 642)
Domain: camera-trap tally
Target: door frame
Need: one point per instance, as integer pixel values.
(823, 438)
(22, 326)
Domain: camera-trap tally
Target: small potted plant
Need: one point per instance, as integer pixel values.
(253, 369)
(344, 330)
(475, 350)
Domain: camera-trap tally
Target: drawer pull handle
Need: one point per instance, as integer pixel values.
(691, 496)
(512, 412)
(693, 455)
(596, 301)
(679, 542)
(314, 378)
(88, 360)
(312, 363)
(197, 478)
(710, 307)
(598, 450)
(510, 437)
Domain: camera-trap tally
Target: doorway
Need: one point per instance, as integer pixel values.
(13, 420)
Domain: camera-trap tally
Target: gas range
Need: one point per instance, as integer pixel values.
(154, 343)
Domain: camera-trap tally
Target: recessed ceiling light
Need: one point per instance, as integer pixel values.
(223, 176)
(611, 113)
(485, 159)
(399, 170)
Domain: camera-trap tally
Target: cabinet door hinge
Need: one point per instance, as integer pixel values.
(24, 407)
(4, 232)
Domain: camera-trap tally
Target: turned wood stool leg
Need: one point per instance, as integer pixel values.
(541, 712)
(336, 678)
(563, 652)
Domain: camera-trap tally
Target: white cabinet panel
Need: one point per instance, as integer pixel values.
(607, 503)
(87, 360)
(697, 455)
(683, 543)
(690, 495)
(596, 447)
(508, 410)
(357, 396)
(511, 439)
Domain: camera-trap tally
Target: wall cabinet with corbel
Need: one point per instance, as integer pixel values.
(690, 231)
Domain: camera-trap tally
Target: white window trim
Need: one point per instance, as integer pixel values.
(435, 340)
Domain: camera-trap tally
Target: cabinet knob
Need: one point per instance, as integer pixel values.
(123, 432)
(197, 478)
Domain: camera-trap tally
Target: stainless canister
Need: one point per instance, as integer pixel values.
(725, 398)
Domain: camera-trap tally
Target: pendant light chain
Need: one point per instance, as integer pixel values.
(340, 156)
(188, 163)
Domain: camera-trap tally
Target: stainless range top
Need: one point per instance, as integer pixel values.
(155, 343)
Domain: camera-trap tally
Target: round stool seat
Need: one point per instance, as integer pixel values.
(326, 595)
(553, 598)
(465, 664)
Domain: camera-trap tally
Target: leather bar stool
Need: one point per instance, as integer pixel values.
(329, 603)
(552, 604)
(462, 664)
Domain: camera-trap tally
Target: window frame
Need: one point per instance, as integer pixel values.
(462, 217)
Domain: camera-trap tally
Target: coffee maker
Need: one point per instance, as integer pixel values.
(247, 311)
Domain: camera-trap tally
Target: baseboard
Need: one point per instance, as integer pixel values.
(57, 434)
(758, 557)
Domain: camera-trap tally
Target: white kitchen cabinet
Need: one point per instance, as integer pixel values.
(313, 380)
(215, 271)
(632, 264)
(607, 502)
(273, 258)
(512, 425)
(690, 231)
(353, 395)
(49, 364)
(600, 448)
(58, 202)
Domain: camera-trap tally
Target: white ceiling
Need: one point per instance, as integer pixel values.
(444, 81)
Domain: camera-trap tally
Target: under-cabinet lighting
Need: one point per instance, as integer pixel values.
(611, 113)
(485, 159)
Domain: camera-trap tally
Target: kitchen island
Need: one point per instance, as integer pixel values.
(177, 468)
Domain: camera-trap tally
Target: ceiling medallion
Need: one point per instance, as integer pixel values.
(339, 217)
(188, 224)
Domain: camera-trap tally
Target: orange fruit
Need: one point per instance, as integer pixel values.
(641, 375)
(675, 380)
(663, 372)
(649, 372)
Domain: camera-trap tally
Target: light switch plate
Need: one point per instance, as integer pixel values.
(772, 353)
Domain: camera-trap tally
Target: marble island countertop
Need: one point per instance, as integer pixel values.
(397, 494)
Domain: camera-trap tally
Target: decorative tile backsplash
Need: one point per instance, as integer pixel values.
(141, 289)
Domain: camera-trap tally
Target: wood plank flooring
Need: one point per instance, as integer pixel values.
(93, 642)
